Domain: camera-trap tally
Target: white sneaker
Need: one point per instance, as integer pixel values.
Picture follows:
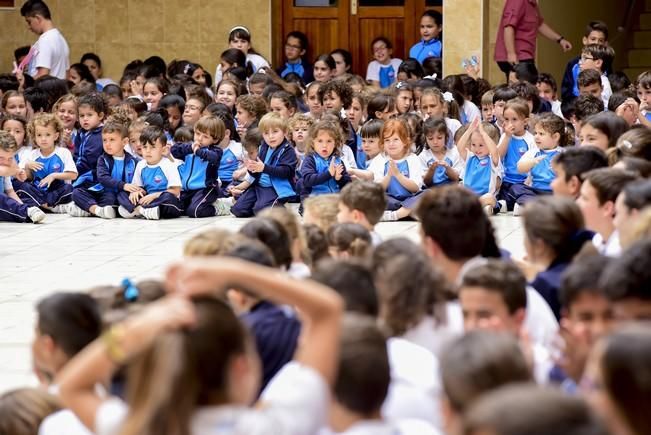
(125, 213)
(75, 211)
(152, 213)
(61, 208)
(517, 210)
(389, 216)
(503, 207)
(488, 209)
(223, 206)
(36, 215)
(106, 212)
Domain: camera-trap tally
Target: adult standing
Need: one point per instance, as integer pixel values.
(50, 54)
(516, 37)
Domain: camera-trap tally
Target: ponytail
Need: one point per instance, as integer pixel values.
(351, 238)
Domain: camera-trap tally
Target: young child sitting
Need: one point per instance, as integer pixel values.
(273, 171)
(158, 179)
(12, 208)
(299, 126)
(323, 170)
(570, 166)
(442, 165)
(49, 167)
(115, 170)
(200, 167)
(362, 202)
(383, 69)
(88, 140)
(233, 155)
(370, 149)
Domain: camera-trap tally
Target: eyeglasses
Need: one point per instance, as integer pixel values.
(192, 107)
(584, 58)
(377, 49)
(293, 47)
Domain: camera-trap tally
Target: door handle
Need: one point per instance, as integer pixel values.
(353, 7)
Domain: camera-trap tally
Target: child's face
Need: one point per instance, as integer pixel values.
(498, 111)
(225, 65)
(273, 137)
(594, 214)
(395, 147)
(126, 88)
(332, 102)
(240, 44)
(203, 139)
(153, 153)
(355, 113)
(16, 129)
(73, 76)
(431, 107)
(152, 95)
(199, 76)
(561, 186)
(477, 145)
(252, 154)
(644, 94)
(16, 105)
(340, 63)
(324, 144)
(322, 72)
(514, 122)
(402, 76)
(134, 141)
(485, 309)
(256, 89)
(114, 143)
(589, 135)
(45, 138)
(595, 37)
(293, 49)
(544, 139)
(429, 29)
(381, 52)
(593, 89)
(487, 112)
(67, 113)
(403, 101)
(299, 133)
(371, 146)
(88, 118)
(592, 314)
(174, 116)
(243, 117)
(589, 62)
(192, 112)
(315, 105)
(226, 95)
(436, 141)
(277, 105)
(545, 91)
(94, 69)
(7, 159)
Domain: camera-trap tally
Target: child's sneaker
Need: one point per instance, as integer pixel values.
(502, 205)
(35, 214)
(75, 211)
(152, 213)
(389, 216)
(106, 212)
(125, 213)
(488, 209)
(223, 206)
(61, 208)
(517, 210)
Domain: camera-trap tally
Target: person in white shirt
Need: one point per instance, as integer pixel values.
(50, 54)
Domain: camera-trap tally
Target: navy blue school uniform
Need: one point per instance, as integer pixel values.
(276, 330)
(58, 192)
(548, 283)
(302, 69)
(274, 185)
(542, 176)
(10, 209)
(424, 49)
(88, 148)
(316, 178)
(199, 178)
(112, 174)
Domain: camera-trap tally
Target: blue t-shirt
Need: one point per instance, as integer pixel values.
(542, 174)
(440, 175)
(516, 149)
(395, 189)
(425, 49)
(478, 174)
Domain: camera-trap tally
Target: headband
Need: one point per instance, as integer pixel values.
(432, 77)
(240, 28)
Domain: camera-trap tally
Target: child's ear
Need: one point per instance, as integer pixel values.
(584, 40)
(574, 185)
(125, 141)
(302, 52)
(599, 63)
(101, 115)
(556, 136)
(609, 209)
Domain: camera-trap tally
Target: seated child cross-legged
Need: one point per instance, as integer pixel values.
(158, 179)
(115, 169)
(273, 171)
(442, 165)
(401, 173)
(200, 167)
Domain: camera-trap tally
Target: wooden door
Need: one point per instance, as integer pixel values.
(349, 24)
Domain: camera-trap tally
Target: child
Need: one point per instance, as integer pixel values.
(88, 140)
(589, 81)
(251, 145)
(321, 211)
(381, 106)
(273, 171)
(17, 127)
(382, 71)
(158, 179)
(547, 90)
(596, 32)
(295, 48)
(487, 107)
(233, 154)
(442, 165)
(14, 103)
(643, 86)
(356, 114)
(12, 208)
(362, 202)
(371, 150)
(153, 92)
(299, 126)
(404, 95)
(434, 104)
(515, 142)
(324, 68)
(194, 106)
(66, 109)
(283, 103)
(431, 24)
(115, 170)
(478, 151)
(240, 38)
(602, 130)
(248, 111)
(346, 240)
(134, 147)
(323, 170)
(226, 93)
(401, 175)
(598, 57)
(570, 167)
(174, 105)
(313, 101)
(49, 167)
(199, 170)
(502, 95)
(537, 162)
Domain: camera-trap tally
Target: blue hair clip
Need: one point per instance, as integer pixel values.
(131, 292)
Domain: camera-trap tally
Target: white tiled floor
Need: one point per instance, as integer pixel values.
(76, 253)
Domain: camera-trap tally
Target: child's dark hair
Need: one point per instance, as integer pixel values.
(288, 100)
(415, 124)
(433, 66)
(183, 134)
(528, 92)
(586, 106)
(365, 196)
(371, 128)
(629, 276)
(436, 125)
(596, 26)
(226, 115)
(609, 124)
(504, 93)
(549, 80)
(316, 244)
(328, 60)
(112, 90)
(252, 251)
(619, 81)
(526, 72)
(435, 15)
(161, 83)
(582, 276)
(237, 57)
(11, 117)
(172, 100)
(273, 235)
(351, 238)
(302, 38)
(502, 277)
(83, 71)
(619, 98)
(383, 39)
(577, 161)
(412, 68)
(73, 320)
(353, 280)
(21, 52)
(609, 182)
(252, 139)
(339, 88)
(95, 101)
(136, 103)
(379, 103)
(153, 135)
(589, 77)
(8, 82)
(553, 124)
(605, 53)
(348, 58)
(38, 99)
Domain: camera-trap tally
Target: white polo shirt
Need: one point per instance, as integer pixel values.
(50, 51)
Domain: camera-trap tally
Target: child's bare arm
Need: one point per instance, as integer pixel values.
(492, 147)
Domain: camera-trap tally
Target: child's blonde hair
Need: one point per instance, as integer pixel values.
(450, 104)
(211, 243)
(64, 99)
(519, 106)
(332, 129)
(7, 142)
(323, 209)
(487, 98)
(45, 120)
(212, 126)
(290, 222)
(272, 120)
(490, 129)
(137, 126)
(300, 118)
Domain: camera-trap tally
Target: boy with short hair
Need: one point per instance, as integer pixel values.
(158, 179)
(296, 45)
(502, 95)
(547, 90)
(584, 107)
(487, 106)
(598, 57)
(273, 171)
(596, 32)
(362, 202)
(570, 167)
(589, 81)
(88, 141)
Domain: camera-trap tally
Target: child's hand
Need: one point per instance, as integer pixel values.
(393, 168)
(339, 171)
(509, 129)
(135, 88)
(255, 166)
(148, 199)
(135, 196)
(235, 191)
(131, 188)
(443, 163)
(475, 124)
(33, 166)
(195, 147)
(331, 168)
(45, 182)
(539, 159)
